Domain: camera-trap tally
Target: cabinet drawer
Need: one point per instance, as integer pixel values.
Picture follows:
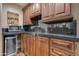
(56, 52)
(68, 45)
(60, 52)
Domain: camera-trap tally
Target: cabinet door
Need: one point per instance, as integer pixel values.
(62, 9)
(33, 8)
(36, 9)
(37, 45)
(26, 44)
(32, 45)
(51, 9)
(25, 50)
(21, 43)
(26, 16)
(42, 46)
(45, 10)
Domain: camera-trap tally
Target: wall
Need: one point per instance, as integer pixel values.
(3, 18)
(0, 31)
(12, 8)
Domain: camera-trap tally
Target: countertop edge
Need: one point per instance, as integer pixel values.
(58, 36)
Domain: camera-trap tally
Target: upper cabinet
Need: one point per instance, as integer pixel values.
(54, 11)
(62, 9)
(30, 11)
(26, 15)
(47, 10)
(36, 9)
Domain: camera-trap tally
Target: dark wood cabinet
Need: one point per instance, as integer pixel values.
(28, 44)
(48, 11)
(36, 9)
(30, 11)
(45, 10)
(55, 11)
(62, 9)
(42, 46)
(62, 47)
(22, 43)
(26, 15)
(51, 9)
(35, 45)
(32, 45)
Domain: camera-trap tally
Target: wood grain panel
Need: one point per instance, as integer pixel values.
(59, 8)
(62, 46)
(62, 9)
(42, 46)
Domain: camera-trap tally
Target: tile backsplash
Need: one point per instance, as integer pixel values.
(68, 28)
(40, 25)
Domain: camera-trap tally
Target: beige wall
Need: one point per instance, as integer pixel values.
(12, 8)
(0, 31)
(1, 46)
(3, 18)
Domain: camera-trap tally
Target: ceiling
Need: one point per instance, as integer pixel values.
(22, 4)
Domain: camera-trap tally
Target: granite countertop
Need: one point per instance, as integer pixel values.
(18, 32)
(50, 35)
(60, 36)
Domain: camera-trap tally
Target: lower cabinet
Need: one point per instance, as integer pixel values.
(34, 45)
(25, 41)
(62, 47)
(28, 42)
(42, 46)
